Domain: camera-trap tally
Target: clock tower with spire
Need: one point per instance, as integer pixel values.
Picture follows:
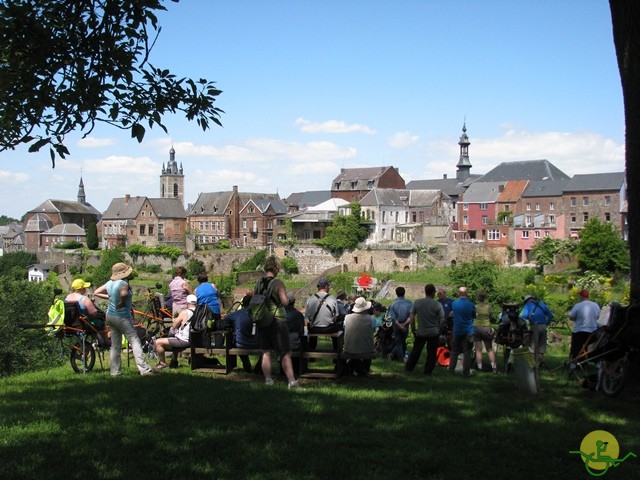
(172, 179)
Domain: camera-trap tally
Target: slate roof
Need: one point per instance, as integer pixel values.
(594, 182)
(482, 192)
(68, 229)
(168, 207)
(262, 201)
(545, 188)
(450, 186)
(38, 223)
(308, 199)
(358, 174)
(65, 206)
(211, 203)
(120, 209)
(524, 170)
(401, 197)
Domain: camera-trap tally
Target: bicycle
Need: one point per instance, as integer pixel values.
(75, 335)
(153, 318)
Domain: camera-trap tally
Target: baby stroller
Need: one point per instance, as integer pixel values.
(383, 340)
(512, 331)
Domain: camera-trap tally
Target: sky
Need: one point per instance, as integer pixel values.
(310, 87)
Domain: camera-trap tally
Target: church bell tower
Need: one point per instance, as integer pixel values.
(172, 179)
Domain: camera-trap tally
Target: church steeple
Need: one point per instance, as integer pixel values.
(464, 165)
(82, 198)
(172, 179)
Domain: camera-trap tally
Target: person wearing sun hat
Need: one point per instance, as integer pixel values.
(119, 293)
(359, 346)
(585, 314)
(79, 294)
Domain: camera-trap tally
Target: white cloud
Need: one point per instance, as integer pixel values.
(572, 152)
(332, 126)
(94, 142)
(13, 177)
(403, 139)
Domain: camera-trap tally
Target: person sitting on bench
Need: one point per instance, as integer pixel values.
(180, 337)
(243, 335)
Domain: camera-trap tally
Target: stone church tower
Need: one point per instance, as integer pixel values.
(172, 179)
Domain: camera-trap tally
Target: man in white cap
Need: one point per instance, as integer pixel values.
(180, 337)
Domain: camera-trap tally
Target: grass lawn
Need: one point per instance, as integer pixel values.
(179, 424)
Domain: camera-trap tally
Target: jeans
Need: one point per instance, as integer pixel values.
(120, 326)
(418, 345)
(461, 344)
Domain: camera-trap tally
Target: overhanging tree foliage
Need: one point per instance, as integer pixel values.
(68, 65)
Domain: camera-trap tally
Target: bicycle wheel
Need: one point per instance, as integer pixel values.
(152, 323)
(82, 360)
(613, 376)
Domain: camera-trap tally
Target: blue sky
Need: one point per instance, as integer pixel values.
(310, 87)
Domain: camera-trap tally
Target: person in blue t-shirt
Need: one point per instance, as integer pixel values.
(537, 313)
(464, 312)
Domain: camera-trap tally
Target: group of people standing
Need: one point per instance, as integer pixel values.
(427, 319)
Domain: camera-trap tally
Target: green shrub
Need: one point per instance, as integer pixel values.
(252, 264)
(289, 265)
(72, 245)
(194, 267)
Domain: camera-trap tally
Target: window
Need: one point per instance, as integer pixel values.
(607, 217)
(413, 217)
(406, 217)
(607, 200)
(528, 206)
(244, 224)
(493, 235)
(370, 184)
(175, 190)
(585, 201)
(537, 207)
(483, 206)
(397, 217)
(551, 206)
(546, 234)
(142, 229)
(160, 229)
(585, 217)
(150, 229)
(337, 185)
(384, 214)
(525, 234)
(255, 225)
(142, 213)
(552, 220)
(573, 201)
(485, 220)
(506, 208)
(465, 206)
(251, 209)
(573, 218)
(354, 185)
(151, 214)
(537, 234)
(465, 220)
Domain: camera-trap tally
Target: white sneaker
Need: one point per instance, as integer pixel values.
(295, 384)
(268, 381)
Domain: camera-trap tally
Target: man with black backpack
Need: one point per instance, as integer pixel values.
(274, 336)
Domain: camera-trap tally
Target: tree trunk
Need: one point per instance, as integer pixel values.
(625, 17)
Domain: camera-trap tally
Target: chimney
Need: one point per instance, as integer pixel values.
(127, 197)
(235, 189)
(444, 176)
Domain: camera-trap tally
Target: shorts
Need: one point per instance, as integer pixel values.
(275, 337)
(484, 335)
(175, 342)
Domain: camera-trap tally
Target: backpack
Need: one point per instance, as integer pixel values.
(259, 306)
(201, 314)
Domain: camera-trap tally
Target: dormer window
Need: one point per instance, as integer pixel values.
(354, 185)
(370, 184)
(337, 185)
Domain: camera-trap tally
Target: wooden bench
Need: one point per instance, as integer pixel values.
(228, 352)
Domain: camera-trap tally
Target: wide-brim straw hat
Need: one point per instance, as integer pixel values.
(120, 271)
